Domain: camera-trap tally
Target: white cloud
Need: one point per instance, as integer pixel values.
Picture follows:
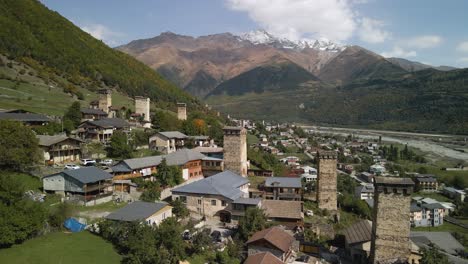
(463, 46)
(332, 19)
(464, 60)
(422, 42)
(103, 33)
(371, 31)
(399, 52)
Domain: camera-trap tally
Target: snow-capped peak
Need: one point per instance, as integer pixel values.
(261, 36)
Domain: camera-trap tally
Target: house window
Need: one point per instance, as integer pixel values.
(191, 174)
(213, 202)
(199, 201)
(223, 203)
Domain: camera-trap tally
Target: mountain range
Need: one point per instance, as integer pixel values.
(258, 75)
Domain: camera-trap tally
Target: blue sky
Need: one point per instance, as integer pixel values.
(428, 31)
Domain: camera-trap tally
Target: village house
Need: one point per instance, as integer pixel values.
(101, 130)
(92, 114)
(210, 197)
(239, 206)
(59, 149)
(273, 240)
(282, 188)
(426, 214)
(167, 142)
(25, 117)
(364, 192)
(453, 193)
(288, 213)
(88, 186)
(202, 141)
(309, 174)
(212, 152)
(358, 243)
(142, 212)
(189, 161)
(426, 183)
(290, 160)
(377, 169)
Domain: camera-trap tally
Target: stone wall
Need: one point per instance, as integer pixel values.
(142, 107)
(181, 111)
(235, 151)
(326, 182)
(391, 227)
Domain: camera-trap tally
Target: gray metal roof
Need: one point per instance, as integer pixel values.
(110, 122)
(248, 201)
(24, 117)
(359, 232)
(173, 134)
(178, 158)
(287, 182)
(45, 140)
(92, 111)
(86, 175)
(364, 189)
(433, 206)
(444, 240)
(226, 184)
(136, 211)
(183, 156)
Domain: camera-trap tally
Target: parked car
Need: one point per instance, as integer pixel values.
(107, 162)
(186, 235)
(303, 258)
(216, 235)
(88, 162)
(71, 167)
(309, 213)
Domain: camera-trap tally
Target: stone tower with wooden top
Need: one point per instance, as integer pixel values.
(142, 107)
(235, 150)
(181, 111)
(326, 180)
(391, 227)
(105, 99)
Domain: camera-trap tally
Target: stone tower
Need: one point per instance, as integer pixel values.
(235, 150)
(142, 107)
(105, 99)
(326, 180)
(391, 227)
(181, 111)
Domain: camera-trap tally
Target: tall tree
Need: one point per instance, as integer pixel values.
(119, 147)
(73, 114)
(253, 221)
(20, 218)
(19, 146)
(432, 255)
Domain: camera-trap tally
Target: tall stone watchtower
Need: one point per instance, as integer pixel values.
(235, 150)
(326, 180)
(181, 111)
(142, 107)
(391, 227)
(105, 99)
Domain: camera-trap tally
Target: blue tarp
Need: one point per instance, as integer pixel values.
(73, 225)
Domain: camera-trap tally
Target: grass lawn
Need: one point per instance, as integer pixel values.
(252, 139)
(109, 206)
(446, 227)
(436, 196)
(79, 248)
(29, 182)
(256, 180)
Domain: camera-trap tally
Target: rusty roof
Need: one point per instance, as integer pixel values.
(283, 209)
(276, 236)
(263, 258)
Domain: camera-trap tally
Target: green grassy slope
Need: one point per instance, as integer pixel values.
(73, 248)
(62, 53)
(428, 100)
(280, 76)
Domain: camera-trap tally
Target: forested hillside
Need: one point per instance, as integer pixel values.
(63, 54)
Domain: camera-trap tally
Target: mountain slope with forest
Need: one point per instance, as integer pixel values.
(64, 55)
